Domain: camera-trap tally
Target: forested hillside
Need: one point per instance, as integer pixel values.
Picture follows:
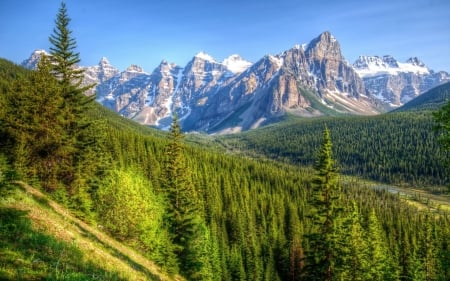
(397, 148)
(252, 216)
(431, 100)
(209, 215)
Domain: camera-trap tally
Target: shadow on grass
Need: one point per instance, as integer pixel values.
(26, 254)
(113, 251)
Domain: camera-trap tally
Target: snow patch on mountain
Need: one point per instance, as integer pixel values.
(136, 69)
(204, 56)
(277, 60)
(369, 66)
(236, 64)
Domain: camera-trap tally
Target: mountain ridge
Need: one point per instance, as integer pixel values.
(235, 95)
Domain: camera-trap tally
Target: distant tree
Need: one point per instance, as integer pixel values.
(353, 254)
(380, 260)
(322, 253)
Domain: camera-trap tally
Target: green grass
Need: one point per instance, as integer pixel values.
(41, 240)
(28, 254)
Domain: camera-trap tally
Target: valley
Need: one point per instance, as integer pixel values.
(290, 168)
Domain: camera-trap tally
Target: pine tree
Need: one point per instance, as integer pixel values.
(63, 54)
(84, 139)
(183, 215)
(36, 124)
(353, 254)
(322, 253)
(380, 260)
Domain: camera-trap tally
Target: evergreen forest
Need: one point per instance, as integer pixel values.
(270, 204)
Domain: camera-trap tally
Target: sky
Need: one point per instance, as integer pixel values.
(145, 32)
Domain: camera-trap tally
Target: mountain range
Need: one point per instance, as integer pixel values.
(236, 95)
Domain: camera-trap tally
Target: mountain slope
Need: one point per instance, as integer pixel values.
(235, 95)
(395, 83)
(381, 148)
(431, 100)
(310, 81)
(64, 241)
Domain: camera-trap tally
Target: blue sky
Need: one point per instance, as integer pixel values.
(145, 32)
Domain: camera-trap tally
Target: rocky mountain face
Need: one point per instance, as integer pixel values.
(395, 83)
(235, 95)
(33, 60)
(305, 80)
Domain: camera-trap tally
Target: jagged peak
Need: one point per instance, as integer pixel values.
(135, 68)
(326, 35)
(323, 37)
(236, 64)
(367, 66)
(40, 52)
(104, 61)
(325, 45)
(376, 61)
(416, 61)
(166, 67)
(204, 56)
(35, 57)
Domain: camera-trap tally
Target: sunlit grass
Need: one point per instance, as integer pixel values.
(41, 240)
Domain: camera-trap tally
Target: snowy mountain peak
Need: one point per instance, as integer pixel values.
(41, 52)
(33, 60)
(135, 68)
(416, 62)
(104, 61)
(205, 56)
(368, 66)
(375, 62)
(165, 67)
(236, 64)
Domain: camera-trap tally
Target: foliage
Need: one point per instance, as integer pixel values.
(188, 232)
(322, 252)
(132, 212)
(27, 254)
(442, 118)
(218, 216)
(395, 148)
(63, 53)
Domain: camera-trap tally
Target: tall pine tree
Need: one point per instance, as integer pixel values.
(322, 252)
(64, 56)
(185, 222)
(85, 160)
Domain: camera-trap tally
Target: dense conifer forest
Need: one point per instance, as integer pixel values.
(207, 214)
(395, 148)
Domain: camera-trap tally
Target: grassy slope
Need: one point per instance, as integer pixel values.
(42, 240)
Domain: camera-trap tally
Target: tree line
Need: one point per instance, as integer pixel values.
(395, 148)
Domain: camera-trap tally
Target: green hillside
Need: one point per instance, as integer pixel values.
(431, 100)
(41, 240)
(395, 148)
(242, 218)
(88, 195)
